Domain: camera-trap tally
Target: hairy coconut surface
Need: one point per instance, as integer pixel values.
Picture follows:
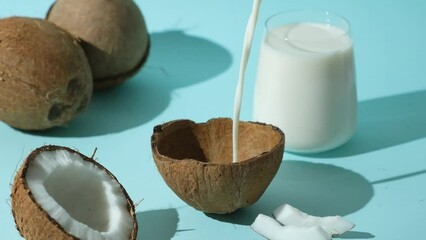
(59, 193)
(45, 78)
(195, 160)
(113, 33)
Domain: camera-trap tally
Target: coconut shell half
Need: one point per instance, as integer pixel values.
(34, 222)
(195, 160)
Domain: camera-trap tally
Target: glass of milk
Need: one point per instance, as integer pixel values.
(306, 80)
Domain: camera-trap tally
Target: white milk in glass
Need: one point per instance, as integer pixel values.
(306, 85)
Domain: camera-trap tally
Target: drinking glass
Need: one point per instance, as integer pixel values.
(305, 81)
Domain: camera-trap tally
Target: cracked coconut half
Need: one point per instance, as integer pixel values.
(59, 193)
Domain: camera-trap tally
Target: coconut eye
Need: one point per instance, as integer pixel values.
(74, 87)
(83, 104)
(56, 111)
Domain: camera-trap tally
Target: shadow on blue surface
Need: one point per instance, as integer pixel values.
(157, 224)
(176, 60)
(385, 122)
(396, 178)
(318, 189)
(356, 235)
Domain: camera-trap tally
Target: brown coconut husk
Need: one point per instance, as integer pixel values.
(45, 78)
(113, 33)
(195, 160)
(111, 81)
(32, 222)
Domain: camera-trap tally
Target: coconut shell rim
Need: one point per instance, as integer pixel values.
(158, 129)
(21, 176)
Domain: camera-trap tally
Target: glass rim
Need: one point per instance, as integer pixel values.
(346, 30)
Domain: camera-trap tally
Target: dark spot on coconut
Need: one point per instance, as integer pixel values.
(56, 111)
(74, 87)
(83, 104)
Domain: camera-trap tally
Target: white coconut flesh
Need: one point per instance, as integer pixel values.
(273, 230)
(291, 223)
(80, 196)
(333, 225)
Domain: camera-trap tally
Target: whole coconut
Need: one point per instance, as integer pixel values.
(113, 33)
(45, 78)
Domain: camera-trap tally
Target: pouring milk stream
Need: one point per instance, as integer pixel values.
(248, 38)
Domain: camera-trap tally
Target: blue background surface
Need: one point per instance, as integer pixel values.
(377, 180)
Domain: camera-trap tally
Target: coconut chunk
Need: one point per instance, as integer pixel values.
(73, 196)
(273, 230)
(333, 225)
